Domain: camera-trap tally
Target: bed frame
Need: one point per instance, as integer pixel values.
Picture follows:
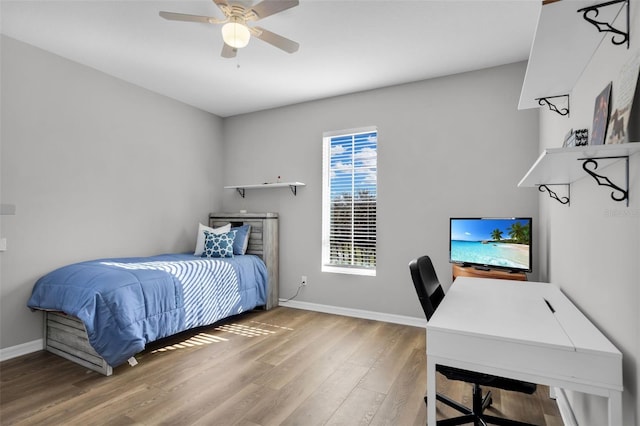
(66, 336)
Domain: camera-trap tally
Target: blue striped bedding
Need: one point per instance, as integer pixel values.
(126, 303)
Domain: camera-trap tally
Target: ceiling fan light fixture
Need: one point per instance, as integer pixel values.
(235, 34)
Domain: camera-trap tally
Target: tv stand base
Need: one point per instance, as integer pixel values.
(479, 272)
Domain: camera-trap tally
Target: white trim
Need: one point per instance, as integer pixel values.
(357, 130)
(568, 418)
(22, 349)
(326, 199)
(349, 270)
(356, 313)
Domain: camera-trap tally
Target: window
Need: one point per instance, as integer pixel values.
(349, 201)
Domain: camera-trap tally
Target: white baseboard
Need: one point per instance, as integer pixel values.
(22, 349)
(356, 313)
(566, 412)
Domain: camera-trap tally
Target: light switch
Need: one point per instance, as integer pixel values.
(3, 244)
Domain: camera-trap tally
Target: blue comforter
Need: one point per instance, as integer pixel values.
(128, 302)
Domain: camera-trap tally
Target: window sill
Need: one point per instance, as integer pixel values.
(349, 270)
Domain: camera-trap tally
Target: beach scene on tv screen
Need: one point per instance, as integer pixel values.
(503, 243)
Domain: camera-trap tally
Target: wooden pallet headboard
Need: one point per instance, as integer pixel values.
(263, 242)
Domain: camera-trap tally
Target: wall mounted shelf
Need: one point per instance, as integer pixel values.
(562, 166)
(563, 46)
(291, 185)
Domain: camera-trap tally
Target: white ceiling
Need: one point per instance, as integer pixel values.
(345, 46)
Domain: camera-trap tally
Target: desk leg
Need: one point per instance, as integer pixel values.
(431, 392)
(615, 407)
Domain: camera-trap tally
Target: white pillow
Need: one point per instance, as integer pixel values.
(200, 240)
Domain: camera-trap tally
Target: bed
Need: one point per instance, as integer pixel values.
(101, 313)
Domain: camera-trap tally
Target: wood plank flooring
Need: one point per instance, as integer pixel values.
(280, 367)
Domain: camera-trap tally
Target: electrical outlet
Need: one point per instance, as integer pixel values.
(303, 280)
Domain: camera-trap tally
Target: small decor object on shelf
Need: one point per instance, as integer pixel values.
(581, 137)
(601, 116)
(569, 139)
(623, 118)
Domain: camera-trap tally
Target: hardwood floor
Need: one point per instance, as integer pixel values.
(280, 367)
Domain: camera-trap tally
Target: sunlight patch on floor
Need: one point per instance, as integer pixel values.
(245, 330)
(199, 339)
(202, 339)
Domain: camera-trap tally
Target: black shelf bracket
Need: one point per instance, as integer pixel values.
(545, 101)
(591, 13)
(552, 194)
(605, 181)
(294, 189)
(240, 191)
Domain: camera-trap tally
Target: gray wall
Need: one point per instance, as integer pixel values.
(95, 167)
(592, 248)
(452, 146)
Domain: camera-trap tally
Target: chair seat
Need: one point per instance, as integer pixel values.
(482, 379)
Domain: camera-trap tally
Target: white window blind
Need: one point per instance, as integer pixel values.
(349, 201)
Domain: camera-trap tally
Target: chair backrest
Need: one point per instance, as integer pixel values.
(427, 286)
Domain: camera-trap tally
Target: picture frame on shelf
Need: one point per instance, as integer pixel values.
(623, 120)
(633, 127)
(601, 116)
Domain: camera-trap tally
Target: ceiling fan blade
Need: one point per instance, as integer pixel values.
(270, 7)
(228, 51)
(276, 40)
(188, 18)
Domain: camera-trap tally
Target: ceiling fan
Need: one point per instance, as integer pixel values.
(235, 31)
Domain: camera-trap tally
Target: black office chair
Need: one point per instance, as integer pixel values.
(430, 293)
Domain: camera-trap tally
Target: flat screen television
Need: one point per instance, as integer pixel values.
(491, 243)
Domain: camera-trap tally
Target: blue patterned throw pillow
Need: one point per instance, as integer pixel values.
(218, 245)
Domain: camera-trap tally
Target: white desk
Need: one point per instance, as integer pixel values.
(506, 328)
